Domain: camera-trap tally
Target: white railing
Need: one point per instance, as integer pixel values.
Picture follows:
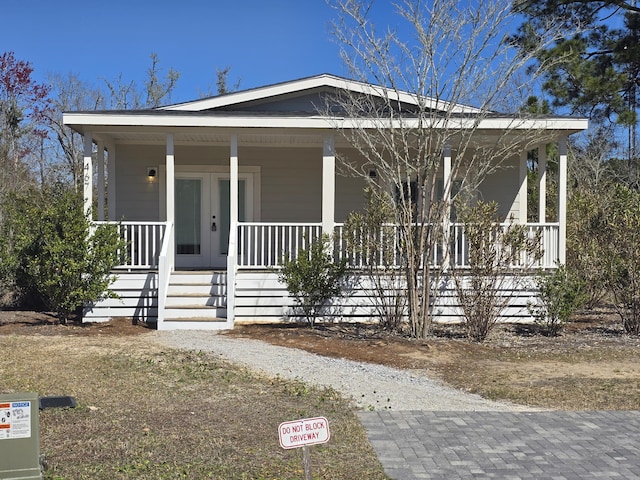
(545, 257)
(265, 245)
(143, 239)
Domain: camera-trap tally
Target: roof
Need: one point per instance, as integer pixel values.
(324, 81)
(286, 107)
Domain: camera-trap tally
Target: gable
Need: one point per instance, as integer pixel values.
(307, 95)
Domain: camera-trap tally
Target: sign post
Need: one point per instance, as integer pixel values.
(302, 433)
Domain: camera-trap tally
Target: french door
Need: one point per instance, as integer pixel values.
(202, 216)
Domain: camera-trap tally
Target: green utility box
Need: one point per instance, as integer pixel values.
(19, 437)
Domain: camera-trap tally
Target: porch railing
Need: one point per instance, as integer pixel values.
(265, 245)
(144, 241)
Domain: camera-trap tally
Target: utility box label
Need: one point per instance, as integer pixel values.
(308, 431)
(15, 420)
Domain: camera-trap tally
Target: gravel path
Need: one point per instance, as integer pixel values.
(371, 386)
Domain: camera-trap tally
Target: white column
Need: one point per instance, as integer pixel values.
(233, 220)
(542, 183)
(111, 183)
(522, 193)
(447, 183)
(233, 181)
(328, 184)
(562, 200)
(88, 174)
(101, 185)
(170, 188)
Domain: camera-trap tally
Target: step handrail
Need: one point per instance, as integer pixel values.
(165, 267)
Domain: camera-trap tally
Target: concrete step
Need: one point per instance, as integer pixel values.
(196, 319)
(194, 311)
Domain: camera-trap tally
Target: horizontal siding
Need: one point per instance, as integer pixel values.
(260, 297)
(138, 299)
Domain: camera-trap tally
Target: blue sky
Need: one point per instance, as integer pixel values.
(263, 41)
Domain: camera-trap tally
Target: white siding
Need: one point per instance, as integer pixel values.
(260, 297)
(138, 299)
(137, 198)
(291, 181)
(502, 187)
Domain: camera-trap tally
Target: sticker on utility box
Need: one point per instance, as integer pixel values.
(15, 420)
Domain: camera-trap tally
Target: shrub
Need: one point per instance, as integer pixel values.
(313, 277)
(494, 250)
(51, 253)
(372, 244)
(623, 256)
(561, 294)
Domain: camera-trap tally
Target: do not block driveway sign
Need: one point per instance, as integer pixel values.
(300, 433)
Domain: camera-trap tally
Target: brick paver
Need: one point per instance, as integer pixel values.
(506, 445)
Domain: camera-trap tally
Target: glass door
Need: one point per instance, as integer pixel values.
(203, 217)
(191, 204)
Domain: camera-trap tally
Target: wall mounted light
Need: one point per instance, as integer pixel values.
(152, 173)
(373, 174)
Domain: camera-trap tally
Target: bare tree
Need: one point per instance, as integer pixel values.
(69, 93)
(443, 57)
(127, 95)
(222, 84)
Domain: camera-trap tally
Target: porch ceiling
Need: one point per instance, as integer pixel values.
(202, 137)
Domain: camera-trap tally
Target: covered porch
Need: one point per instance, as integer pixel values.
(252, 246)
(229, 185)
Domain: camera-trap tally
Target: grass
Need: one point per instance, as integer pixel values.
(594, 378)
(148, 412)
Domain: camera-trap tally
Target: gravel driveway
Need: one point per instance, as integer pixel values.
(371, 386)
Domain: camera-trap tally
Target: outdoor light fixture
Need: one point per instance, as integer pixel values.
(373, 174)
(152, 173)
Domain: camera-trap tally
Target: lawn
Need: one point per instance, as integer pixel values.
(148, 412)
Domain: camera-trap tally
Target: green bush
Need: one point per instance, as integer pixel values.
(50, 253)
(313, 277)
(561, 295)
(623, 255)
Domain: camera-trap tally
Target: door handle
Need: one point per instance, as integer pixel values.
(213, 224)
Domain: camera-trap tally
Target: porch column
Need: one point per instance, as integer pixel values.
(447, 183)
(328, 184)
(562, 200)
(111, 183)
(170, 189)
(233, 181)
(88, 174)
(101, 185)
(232, 261)
(542, 183)
(522, 193)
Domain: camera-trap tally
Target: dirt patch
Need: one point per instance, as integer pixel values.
(19, 322)
(593, 364)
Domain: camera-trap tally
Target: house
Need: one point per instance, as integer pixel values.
(211, 193)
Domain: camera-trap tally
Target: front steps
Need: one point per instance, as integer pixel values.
(196, 295)
(196, 300)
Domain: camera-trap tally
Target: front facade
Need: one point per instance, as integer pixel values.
(211, 194)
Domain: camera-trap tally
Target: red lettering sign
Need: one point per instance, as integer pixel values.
(308, 431)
